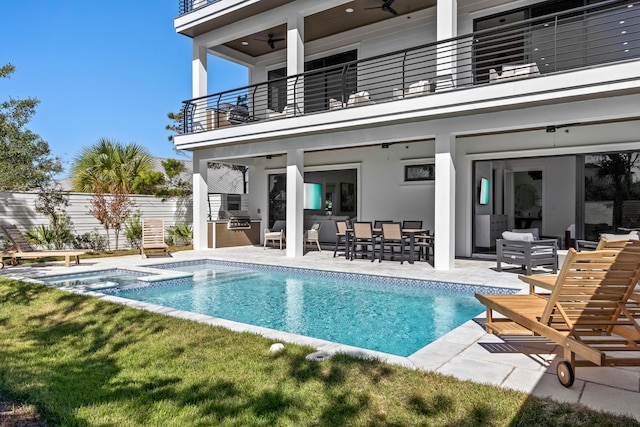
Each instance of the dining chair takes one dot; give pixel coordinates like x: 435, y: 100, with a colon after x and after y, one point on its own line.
x: 362, y: 238
x: 341, y: 236
x: 378, y: 223
x: 392, y: 237
x: 421, y: 241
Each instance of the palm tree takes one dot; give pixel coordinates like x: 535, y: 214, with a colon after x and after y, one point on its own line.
x: 109, y: 165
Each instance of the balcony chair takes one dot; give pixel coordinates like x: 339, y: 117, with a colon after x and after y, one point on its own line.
x: 272, y: 114
x: 275, y: 233
x: 514, y: 71
x: 334, y: 104
x: 359, y: 98
x: 525, y: 250
x: 422, y: 87
x: 311, y: 236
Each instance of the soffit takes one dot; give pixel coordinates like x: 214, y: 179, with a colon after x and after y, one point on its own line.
x: 317, y: 26
x: 237, y: 15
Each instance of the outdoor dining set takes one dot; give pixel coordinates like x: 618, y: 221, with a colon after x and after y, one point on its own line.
x: 382, y: 239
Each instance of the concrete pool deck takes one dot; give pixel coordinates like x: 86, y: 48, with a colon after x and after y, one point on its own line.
x: 526, y: 364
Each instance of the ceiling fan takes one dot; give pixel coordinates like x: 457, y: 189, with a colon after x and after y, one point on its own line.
x: 386, y: 6
x: 271, y: 40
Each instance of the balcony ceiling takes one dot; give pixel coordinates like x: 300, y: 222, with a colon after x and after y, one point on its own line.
x: 322, y: 24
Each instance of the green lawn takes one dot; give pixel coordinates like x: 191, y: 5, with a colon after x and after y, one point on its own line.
x: 82, y: 361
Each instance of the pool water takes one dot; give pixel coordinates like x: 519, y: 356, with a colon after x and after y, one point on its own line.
x: 364, y: 312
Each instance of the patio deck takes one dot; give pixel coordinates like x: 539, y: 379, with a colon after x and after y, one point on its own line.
x: 526, y: 364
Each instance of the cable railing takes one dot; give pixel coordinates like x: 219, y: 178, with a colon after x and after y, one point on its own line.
x: 186, y: 6
x: 584, y: 37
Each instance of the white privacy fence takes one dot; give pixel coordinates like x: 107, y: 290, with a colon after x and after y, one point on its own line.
x: 19, y: 208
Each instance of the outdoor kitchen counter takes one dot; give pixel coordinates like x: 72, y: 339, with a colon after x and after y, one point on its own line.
x: 220, y: 236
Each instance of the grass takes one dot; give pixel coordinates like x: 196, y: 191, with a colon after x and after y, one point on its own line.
x: 81, y: 361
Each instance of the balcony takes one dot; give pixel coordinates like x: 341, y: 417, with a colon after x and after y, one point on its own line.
x: 186, y: 6
x: 578, y: 39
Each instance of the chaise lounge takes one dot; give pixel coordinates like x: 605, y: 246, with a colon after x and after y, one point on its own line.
x: 588, y: 312
x: 24, y: 250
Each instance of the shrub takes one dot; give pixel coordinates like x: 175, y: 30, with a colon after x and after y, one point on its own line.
x: 91, y: 240
x: 133, y: 230
x: 46, y: 237
x: 180, y: 234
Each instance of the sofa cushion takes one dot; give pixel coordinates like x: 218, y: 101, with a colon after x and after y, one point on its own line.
x: 534, y: 231
x: 517, y: 236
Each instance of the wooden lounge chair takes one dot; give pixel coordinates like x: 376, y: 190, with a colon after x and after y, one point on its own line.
x: 153, y: 237
x: 548, y: 282
x: 587, y: 313
x: 24, y: 250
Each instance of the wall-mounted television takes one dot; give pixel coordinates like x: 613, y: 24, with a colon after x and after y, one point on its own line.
x: 312, y: 196
x: 485, y: 188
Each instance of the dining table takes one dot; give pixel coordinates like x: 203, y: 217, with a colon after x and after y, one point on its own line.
x: 409, y: 232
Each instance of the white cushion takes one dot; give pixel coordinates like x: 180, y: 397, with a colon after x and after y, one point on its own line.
x: 519, y: 237
x: 534, y: 231
x: 419, y: 87
x: 630, y: 236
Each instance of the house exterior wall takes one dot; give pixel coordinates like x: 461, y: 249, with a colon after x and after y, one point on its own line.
x: 503, y: 123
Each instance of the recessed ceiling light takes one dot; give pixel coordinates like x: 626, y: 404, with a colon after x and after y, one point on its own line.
x: 245, y: 43
x: 349, y: 10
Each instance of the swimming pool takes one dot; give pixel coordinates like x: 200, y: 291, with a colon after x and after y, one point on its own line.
x: 390, y: 315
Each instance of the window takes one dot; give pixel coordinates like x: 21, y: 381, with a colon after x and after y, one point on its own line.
x: 319, y: 87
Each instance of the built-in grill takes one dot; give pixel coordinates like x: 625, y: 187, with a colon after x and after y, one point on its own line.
x: 236, y: 220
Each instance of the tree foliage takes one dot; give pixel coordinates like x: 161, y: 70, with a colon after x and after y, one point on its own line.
x: 52, y: 202
x: 175, y: 124
x: 174, y: 186
x: 112, y: 211
x: 110, y: 166
x: 25, y: 159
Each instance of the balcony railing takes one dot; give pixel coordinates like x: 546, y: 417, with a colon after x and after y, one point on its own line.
x: 604, y: 33
x: 186, y: 6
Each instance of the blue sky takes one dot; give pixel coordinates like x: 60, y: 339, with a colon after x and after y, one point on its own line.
x: 101, y: 69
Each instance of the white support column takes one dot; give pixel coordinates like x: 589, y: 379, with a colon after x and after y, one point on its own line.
x: 295, y: 207
x: 446, y: 28
x: 200, y: 201
x: 199, y: 83
x: 445, y: 202
x: 295, y: 62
